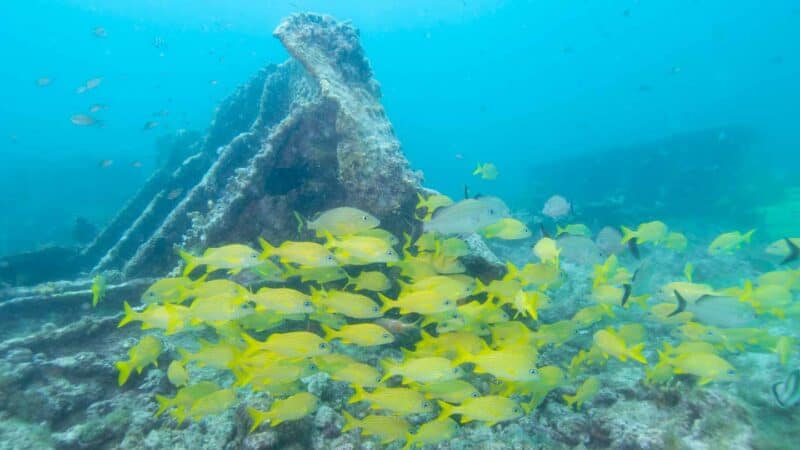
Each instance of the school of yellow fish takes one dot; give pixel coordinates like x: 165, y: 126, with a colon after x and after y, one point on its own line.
x: 353, y: 288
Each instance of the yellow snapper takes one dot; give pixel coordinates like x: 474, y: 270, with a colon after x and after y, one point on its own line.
x: 490, y: 409
x: 421, y: 370
x: 708, y: 366
x: 452, y: 286
x: 546, y: 250
x: 184, y: 399
x: 139, y: 356
x: 654, y: 232
x: 420, y: 302
x: 361, y: 250
x: 401, y: 401
x: 282, y: 300
x: 292, y: 408
x: 611, y: 344
x: 99, y: 288
x: 213, y: 403
x: 352, y: 305
x: 177, y: 374
x: 433, y: 432
x: 555, y: 333
x: 360, y: 334
x: 170, y: 318
x: 451, y: 391
x: 487, y: 171
x: 431, y: 203
x: 503, y: 364
x: 292, y: 343
x: 590, y: 315
x: 168, y: 290
x: 210, y: 309
x: 386, y: 428
x: 577, y: 229
x: 358, y: 374
x: 343, y: 221
x: 727, y: 243
x: 586, y: 391
x: 540, y: 274
x: 786, y: 248
x: 234, y: 258
x: 308, y: 254
x: 676, y: 241
x: 220, y: 355
x: 507, y: 229
x: 370, y: 281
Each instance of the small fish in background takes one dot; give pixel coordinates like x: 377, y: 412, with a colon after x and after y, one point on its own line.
x: 727, y: 243
x: 82, y: 120
x: 97, y: 107
x: 162, y: 113
x: 556, y: 207
x: 89, y: 85
x: 213, y: 82
x: 787, y: 393
x: 136, y: 164
x: 100, y: 32
x: 175, y: 193
x: 459, y: 156
x: 486, y: 171
x: 44, y: 81
x: 787, y: 248
x: 159, y: 42
x: 99, y: 288
x: 149, y: 125
x: 676, y: 241
x: 577, y: 229
x: 105, y: 163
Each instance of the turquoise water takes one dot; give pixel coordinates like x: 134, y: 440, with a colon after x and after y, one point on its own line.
x: 681, y: 112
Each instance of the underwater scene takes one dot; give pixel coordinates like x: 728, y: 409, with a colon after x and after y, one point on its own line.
x: 385, y: 224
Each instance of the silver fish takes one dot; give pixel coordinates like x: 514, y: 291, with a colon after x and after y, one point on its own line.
x: 83, y: 120
x: 467, y: 216
x: 787, y: 393
x: 722, y: 312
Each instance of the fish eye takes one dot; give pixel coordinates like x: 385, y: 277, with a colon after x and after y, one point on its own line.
x: 312, y: 366
x: 426, y: 404
x: 323, y: 345
x: 306, y: 303
x: 475, y: 394
x: 731, y: 372
x: 329, y: 258
x: 376, y: 309
x: 364, y: 218
x: 491, y: 211
x: 390, y: 253
x: 447, y: 302
x: 533, y: 371
x: 515, y: 410
x: 386, y: 335
x: 151, y: 294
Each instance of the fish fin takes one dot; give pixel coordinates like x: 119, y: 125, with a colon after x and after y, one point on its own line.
x: 164, y: 403
x: 570, y: 399
x: 544, y: 232
x: 636, y: 353
x: 681, y: 304
x: 447, y: 410
x: 511, y: 271
x: 627, y: 234
x: 350, y: 422
x: 748, y: 235
x: 191, y: 261
x: 478, y: 170
x: 330, y: 241
x: 358, y: 396
x: 775, y: 394
x: 129, y: 315
x: 258, y: 417
x: 330, y: 333
x: 387, y: 303
x: 124, y: 371
x: 269, y: 250
x: 794, y: 252
x: 626, y: 294
x: 704, y: 380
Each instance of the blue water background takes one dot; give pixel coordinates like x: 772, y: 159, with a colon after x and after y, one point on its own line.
x: 510, y: 82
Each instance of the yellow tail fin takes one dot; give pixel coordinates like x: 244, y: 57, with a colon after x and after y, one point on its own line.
x: 130, y: 315
x: 627, y: 234
x: 191, y: 261
x: 124, y: 371
x: 636, y: 353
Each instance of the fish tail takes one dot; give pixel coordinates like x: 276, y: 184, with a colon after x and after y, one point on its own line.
x: 330, y: 241
x: 559, y: 230
x: 130, y: 315
x: 269, y: 250
x: 387, y: 303
x: 358, y: 396
x: 626, y: 294
x: 350, y: 422
x: 258, y: 417
x: 447, y: 410
x: 409, y: 441
x: 124, y: 371
x: 681, y: 304
x: 794, y: 252
x: 387, y: 366
x: 164, y: 403
x: 627, y: 234
x: 570, y: 399
x: 478, y: 170
x: 636, y: 353
x: 511, y: 271
x: 191, y: 261
x: 330, y: 333
x: 748, y: 235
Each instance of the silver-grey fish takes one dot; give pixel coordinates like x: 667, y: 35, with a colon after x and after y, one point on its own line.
x: 467, y: 216
x: 723, y: 312
x: 83, y: 120
x: 787, y: 393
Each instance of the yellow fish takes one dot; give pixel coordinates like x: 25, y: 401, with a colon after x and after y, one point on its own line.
x: 577, y: 229
x: 168, y: 290
x: 352, y: 305
x: 487, y: 171
x: 507, y: 229
x: 282, y: 300
x: 361, y: 250
x: 655, y: 232
x: 727, y: 243
x: 546, y: 250
x: 430, y: 433
x: 421, y: 370
x: 219, y: 356
x: 308, y: 254
x: 361, y: 334
x: 541, y: 274
x: 213, y: 403
x: 420, y: 302
x: 358, y: 374
x: 586, y: 391
x: 401, y: 401
x: 611, y: 344
x: 503, y: 364
x: 676, y: 241
x: 490, y: 409
x: 451, y: 391
x: 292, y: 343
x: 707, y: 366
x: 184, y: 399
x: 141, y: 355
x: 343, y: 221
x: 99, y: 288
x: 590, y: 315
x: 177, y: 374
x: 292, y: 408
x: 170, y: 318
x: 234, y: 258
x: 370, y: 281
x: 386, y: 428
